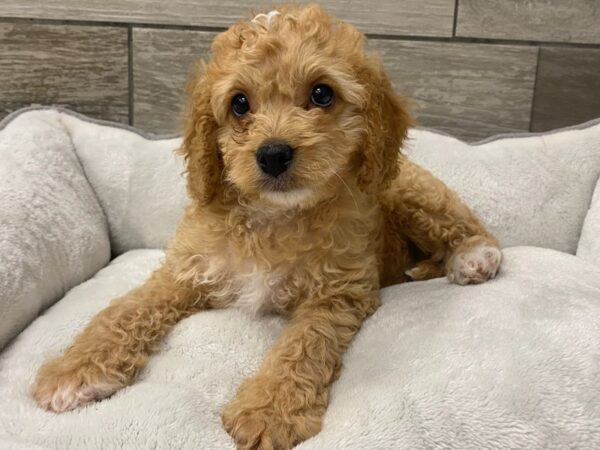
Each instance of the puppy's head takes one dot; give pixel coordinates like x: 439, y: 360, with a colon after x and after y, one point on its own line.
x: 289, y: 107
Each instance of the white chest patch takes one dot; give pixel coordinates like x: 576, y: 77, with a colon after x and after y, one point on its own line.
x: 257, y: 291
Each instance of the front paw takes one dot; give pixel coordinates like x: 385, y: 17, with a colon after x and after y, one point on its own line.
x: 270, y: 414
x: 63, y: 384
x: 474, y: 265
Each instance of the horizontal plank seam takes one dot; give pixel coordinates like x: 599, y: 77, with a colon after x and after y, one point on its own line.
x: 464, y: 40
x: 92, y: 23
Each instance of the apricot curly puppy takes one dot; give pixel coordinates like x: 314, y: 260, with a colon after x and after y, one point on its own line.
x: 301, y: 205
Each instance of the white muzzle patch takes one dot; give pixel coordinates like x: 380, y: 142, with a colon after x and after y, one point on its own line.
x: 288, y: 199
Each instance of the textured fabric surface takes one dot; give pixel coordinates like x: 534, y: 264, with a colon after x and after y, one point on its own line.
x: 139, y: 182
x: 53, y: 233
x: 532, y: 190
x: 589, y: 244
x: 512, y: 363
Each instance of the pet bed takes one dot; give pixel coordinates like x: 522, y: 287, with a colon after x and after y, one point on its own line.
x: 87, y: 206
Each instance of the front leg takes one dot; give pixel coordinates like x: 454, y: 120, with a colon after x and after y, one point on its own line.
x: 283, y: 404
x: 115, y: 345
x: 433, y: 217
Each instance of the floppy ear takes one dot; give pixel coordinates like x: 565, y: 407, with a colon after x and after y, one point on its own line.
x: 387, y: 122
x: 203, y: 164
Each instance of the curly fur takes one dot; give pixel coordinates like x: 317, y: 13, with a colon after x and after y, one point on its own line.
x: 351, y: 215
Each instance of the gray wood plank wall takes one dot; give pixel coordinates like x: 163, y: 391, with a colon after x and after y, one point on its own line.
x: 413, y: 17
x: 163, y: 61
x: 473, y: 67
x: 536, y: 20
x: 80, y: 67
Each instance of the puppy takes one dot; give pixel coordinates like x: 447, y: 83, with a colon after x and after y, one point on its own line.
x: 301, y: 205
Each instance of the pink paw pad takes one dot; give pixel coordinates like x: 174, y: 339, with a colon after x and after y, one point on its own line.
x: 476, y: 265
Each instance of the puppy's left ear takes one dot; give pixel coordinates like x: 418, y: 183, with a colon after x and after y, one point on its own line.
x: 387, y: 123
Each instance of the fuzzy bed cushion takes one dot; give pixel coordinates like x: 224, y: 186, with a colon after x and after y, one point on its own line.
x: 589, y: 243
x: 509, y: 364
x: 53, y: 233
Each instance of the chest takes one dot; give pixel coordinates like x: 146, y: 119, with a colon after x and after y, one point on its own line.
x: 261, y: 291
x: 271, y: 266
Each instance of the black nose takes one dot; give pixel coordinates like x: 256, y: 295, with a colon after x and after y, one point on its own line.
x: 274, y: 158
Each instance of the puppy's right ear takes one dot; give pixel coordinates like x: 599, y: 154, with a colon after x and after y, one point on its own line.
x: 199, y: 148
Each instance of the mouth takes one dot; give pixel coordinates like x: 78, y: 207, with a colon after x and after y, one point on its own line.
x: 281, y: 184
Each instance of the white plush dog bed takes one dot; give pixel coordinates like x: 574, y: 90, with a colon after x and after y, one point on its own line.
x: 513, y: 363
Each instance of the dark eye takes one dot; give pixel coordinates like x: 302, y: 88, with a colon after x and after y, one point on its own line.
x: 322, y: 96
x: 240, y: 105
